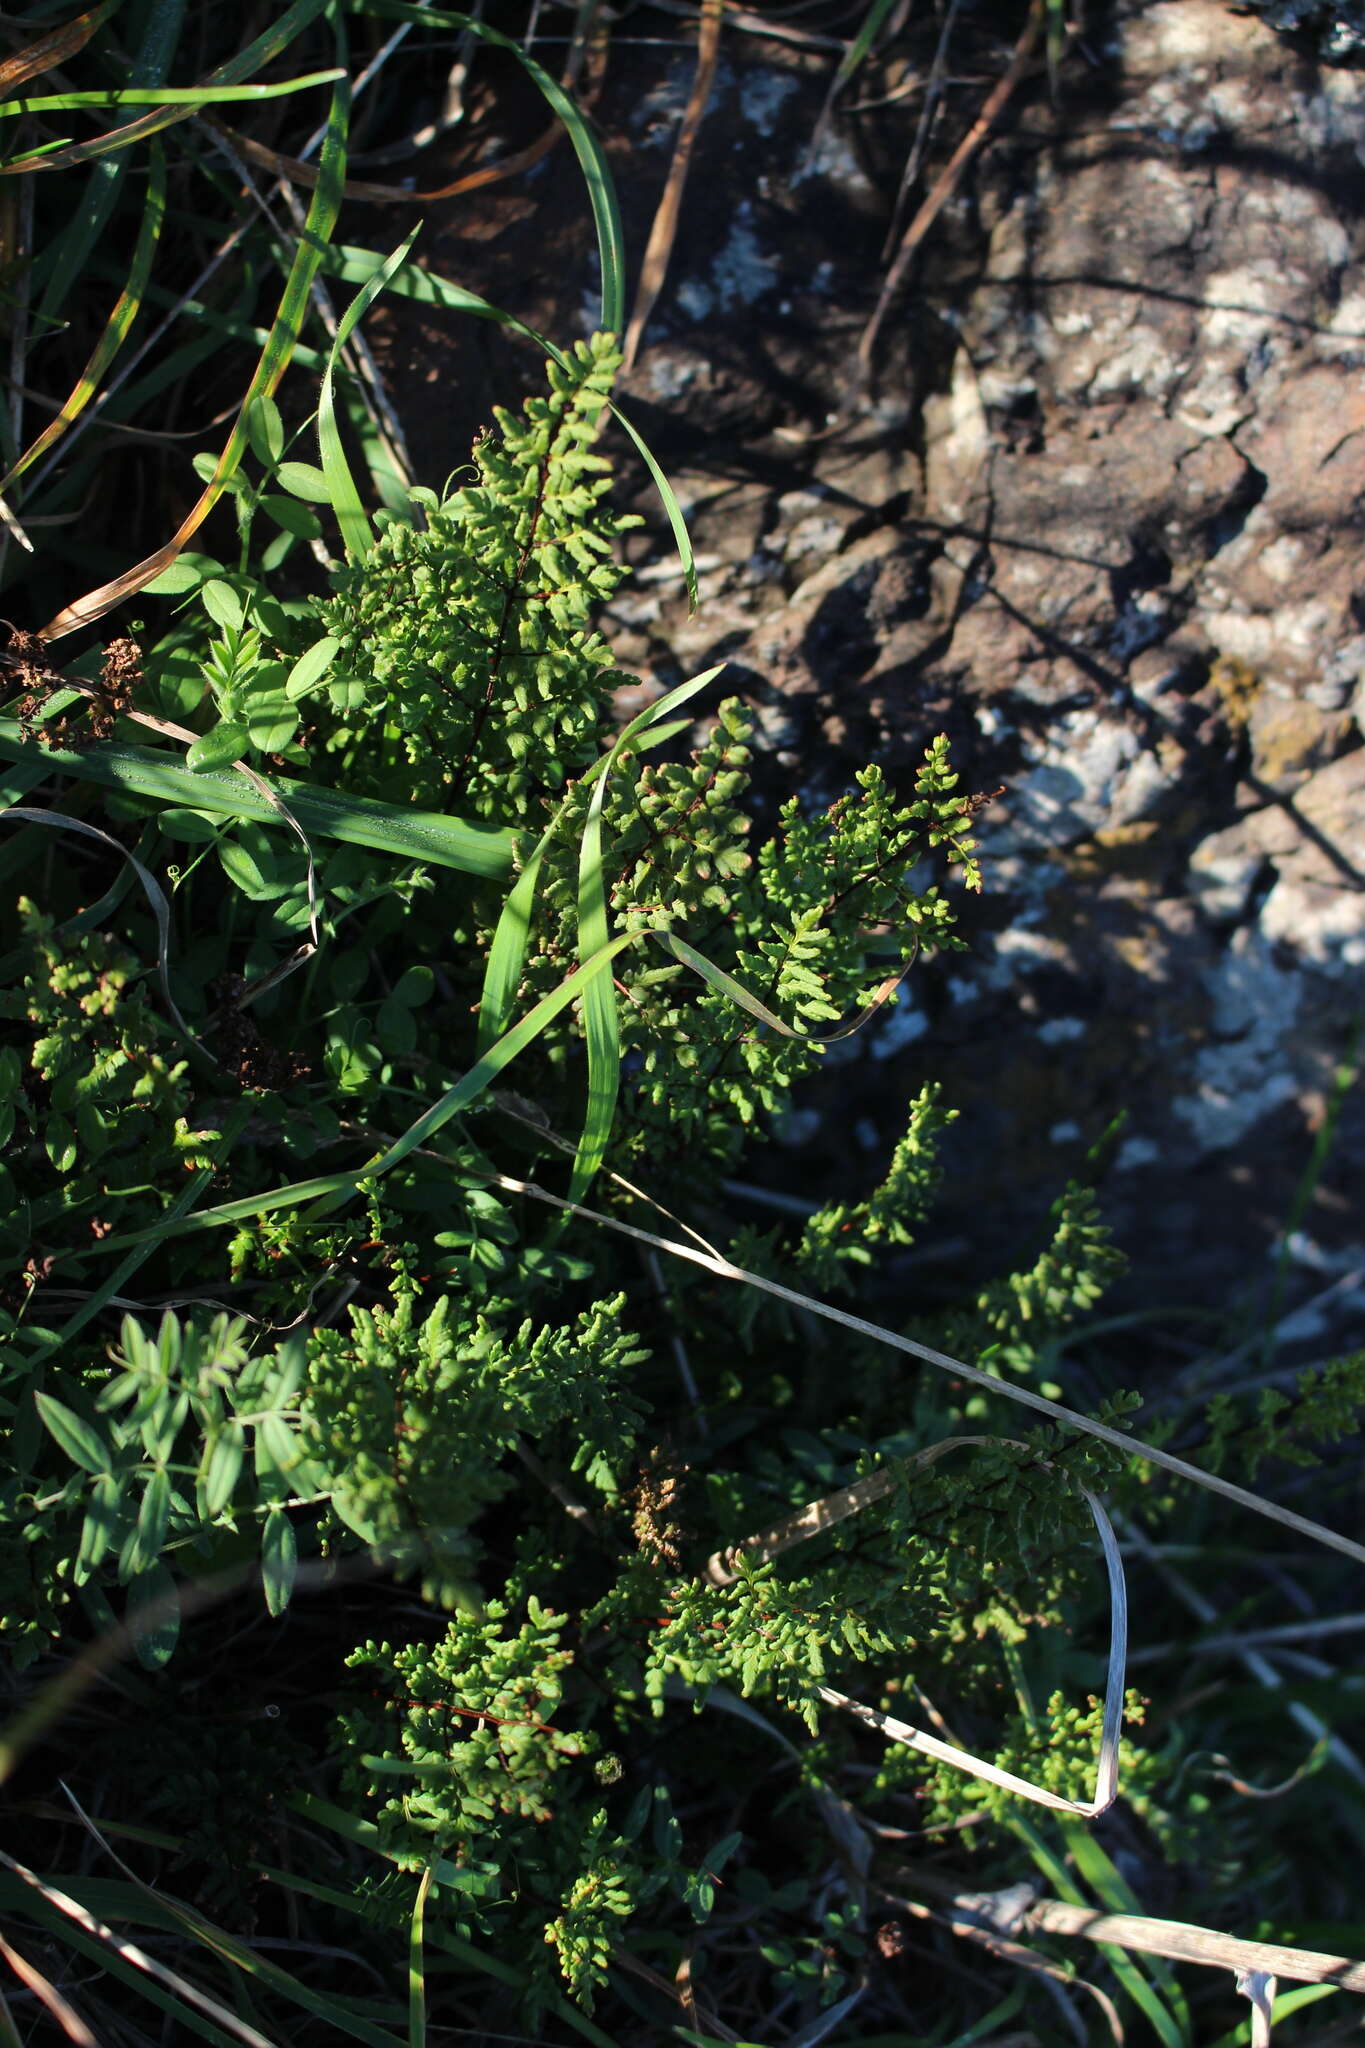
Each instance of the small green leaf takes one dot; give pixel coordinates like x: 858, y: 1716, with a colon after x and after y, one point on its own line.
x: 101, y: 1519
x: 295, y: 518
x: 218, y: 749
x: 222, y: 603
x: 75, y: 1436
x: 250, y: 866
x: 304, y: 480
x: 59, y: 1142
x: 310, y: 668
x: 265, y: 430
x: 395, y: 1027
x: 279, y: 1560
x: 153, y: 1615
x: 196, y: 828
x: 276, y: 1442
x: 272, y: 723
x: 224, y: 1456
x: 142, y: 1552
x: 186, y: 572
x: 413, y: 987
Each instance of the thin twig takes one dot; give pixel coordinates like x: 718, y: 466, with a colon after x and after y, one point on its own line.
x: 1018, y: 1911
x: 664, y: 231
x: 947, y: 184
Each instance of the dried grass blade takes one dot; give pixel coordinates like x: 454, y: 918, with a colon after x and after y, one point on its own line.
x: 55, y: 47
x: 130, y: 1953
x: 947, y: 184
x: 1106, y: 1773
x: 664, y: 231
x: 1066, y: 1418
x: 48, y: 1996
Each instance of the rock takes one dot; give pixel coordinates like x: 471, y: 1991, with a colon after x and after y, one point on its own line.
x: 1313, y: 845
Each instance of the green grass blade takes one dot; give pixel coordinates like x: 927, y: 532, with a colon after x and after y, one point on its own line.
x: 601, y: 1015
x: 512, y: 938
x: 116, y: 327
x: 1167, y: 2027
x: 1109, y: 1885
x: 592, y: 160
x: 364, y: 1835
x: 857, y: 50
x: 417, y: 1976
x: 271, y: 43
x: 356, y: 531
x: 168, y: 95
x: 424, y: 836
x: 682, y: 539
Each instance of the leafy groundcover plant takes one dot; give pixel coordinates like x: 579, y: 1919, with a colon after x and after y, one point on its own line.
x: 366, y: 984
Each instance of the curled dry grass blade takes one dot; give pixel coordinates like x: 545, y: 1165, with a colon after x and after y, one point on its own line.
x: 118, y: 324
x: 275, y: 358
x: 722, y: 1569
x: 266, y: 47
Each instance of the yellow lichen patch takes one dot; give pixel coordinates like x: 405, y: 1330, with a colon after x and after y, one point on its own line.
x: 1238, y: 686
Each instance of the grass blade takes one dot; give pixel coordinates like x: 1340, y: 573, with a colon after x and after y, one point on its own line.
x: 118, y: 324
x: 591, y: 156
x: 328, y: 1190
x: 168, y: 95
x: 130, y: 1953
x: 356, y: 531
x: 512, y: 938
x: 601, y: 1017
x: 266, y: 47
x: 417, y: 1978
x: 425, y: 836
x: 55, y: 46
x: 274, y: 361
x: 48, y: 1996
